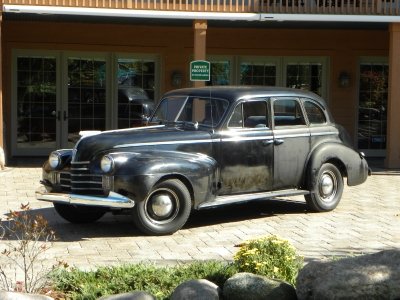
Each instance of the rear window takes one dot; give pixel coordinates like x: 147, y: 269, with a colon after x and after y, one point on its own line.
x: 315, y: 114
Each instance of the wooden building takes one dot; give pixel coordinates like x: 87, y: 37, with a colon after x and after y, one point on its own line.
x: 67, y: 65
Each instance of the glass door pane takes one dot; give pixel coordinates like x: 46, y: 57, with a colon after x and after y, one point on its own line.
x: 306, y: 76
x: 36, y: 103
x: 372, y: 107
x: 136, y: 87
x: 220, y: 73
x: 86, y: 96
x: 258, y: 73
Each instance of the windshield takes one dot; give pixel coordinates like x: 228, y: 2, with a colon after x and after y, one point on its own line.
x: 196, y: 110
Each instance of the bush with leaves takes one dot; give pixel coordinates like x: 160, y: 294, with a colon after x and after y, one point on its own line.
x: 159, y: 281
x: 269, y: 256
x: 27, y: 237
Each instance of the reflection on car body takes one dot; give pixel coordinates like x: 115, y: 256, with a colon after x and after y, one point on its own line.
x: 206, y: 147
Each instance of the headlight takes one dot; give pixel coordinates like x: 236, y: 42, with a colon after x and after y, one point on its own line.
x: 54, y: 160
x: 107, y: 164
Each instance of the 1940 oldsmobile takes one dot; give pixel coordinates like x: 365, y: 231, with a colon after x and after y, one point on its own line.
x: 206, y: 147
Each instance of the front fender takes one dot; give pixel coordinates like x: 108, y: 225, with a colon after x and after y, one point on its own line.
x: 138, y: 172
x: 354, y: 164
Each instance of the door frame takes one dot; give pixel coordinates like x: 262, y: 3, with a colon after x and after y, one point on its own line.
x: 323, y: 60
x: 371, y: 60
x: 40, y: 151
x: 113, y: 106
x: 61, y: 56
x: 64, y: 89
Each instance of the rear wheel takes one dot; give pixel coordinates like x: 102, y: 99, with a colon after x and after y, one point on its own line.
x: 79, y: 214
x: 165, y: 210
x: 326, y: 189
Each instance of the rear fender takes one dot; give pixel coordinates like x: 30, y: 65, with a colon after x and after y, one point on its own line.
x: 351, y: 163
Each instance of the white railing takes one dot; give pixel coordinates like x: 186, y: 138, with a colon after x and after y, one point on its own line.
x: 341, y: 7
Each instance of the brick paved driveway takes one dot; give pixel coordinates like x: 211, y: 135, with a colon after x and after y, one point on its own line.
x: 366, y: 220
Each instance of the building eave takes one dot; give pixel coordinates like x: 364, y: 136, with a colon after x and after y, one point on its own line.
x: 188, y: 15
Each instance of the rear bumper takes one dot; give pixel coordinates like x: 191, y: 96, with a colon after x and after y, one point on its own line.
x: 114, y: 200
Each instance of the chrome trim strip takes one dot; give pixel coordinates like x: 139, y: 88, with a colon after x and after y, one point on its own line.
x: 86, y: 175
x: 254, y: 138
x: 114, y: 200
x: 208, y: 141
x: 87, y: 188
x: 80, y: 162
x: 80, y: 182
x: 278, y: 136
x: 134, y: 129
x: 223, y: 200
x: 163, y: 143
x: 323, y: 133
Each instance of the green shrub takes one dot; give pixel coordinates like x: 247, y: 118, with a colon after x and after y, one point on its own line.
x: 159, y: 281
x: 269, y: 256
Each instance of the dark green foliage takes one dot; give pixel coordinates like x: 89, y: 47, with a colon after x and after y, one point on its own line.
x: 159, y: 281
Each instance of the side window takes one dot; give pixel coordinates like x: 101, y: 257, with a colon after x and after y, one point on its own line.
x: 314, y: 113
x: 287, y: 112
x: 251, y: 114
x: 236, y: 118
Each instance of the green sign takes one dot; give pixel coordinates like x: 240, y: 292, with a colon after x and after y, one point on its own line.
x: 199, y: 70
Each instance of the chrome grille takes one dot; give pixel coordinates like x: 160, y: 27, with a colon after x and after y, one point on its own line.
x: 65, y: 181
x: 82, y: 182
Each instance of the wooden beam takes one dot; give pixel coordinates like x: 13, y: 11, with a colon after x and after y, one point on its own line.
x: 200, y: 34
x: 393, y: 111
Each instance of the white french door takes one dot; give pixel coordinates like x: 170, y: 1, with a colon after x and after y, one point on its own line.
x: 86, y: 91
x: 57, y: 94
x: 372, y: 106
x: 35, y: 102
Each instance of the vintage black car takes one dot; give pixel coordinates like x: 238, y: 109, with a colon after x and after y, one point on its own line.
x: 206, y: 147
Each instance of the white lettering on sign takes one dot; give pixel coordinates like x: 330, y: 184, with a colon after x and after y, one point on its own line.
x: 200, y: 69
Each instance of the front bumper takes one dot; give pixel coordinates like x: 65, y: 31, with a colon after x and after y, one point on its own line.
x: 114, y: 200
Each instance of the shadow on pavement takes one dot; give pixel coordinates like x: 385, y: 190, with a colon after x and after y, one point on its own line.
x: 123, y: 226
x: 245, y: 211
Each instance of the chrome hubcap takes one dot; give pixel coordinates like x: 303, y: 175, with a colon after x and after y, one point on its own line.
x: 161, y: 205
x: 328, y: 186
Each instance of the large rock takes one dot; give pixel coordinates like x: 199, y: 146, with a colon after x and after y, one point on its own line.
x: 373, y: 276
x: 250, y: 286
x: 200, y: 289
x: 22, y: 296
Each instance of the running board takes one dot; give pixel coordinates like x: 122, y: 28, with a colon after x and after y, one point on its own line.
x: 223, y: 200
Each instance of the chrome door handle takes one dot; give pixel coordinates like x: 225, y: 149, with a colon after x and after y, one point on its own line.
x: 278, y: 141
x: 267, y: 142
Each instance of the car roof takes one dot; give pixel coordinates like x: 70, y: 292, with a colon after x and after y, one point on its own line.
x: 234, y: 93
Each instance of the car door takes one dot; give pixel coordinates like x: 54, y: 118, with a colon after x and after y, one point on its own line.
x: 291, y: 142
x: 246, y: 150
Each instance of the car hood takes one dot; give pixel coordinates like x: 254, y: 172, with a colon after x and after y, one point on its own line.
x: 137, y: 139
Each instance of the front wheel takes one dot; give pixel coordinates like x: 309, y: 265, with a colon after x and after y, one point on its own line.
x: 79, y: 214
x: 326, y: 189
x: 165, y: 210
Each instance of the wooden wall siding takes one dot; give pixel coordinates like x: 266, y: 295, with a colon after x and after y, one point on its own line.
x: 342, y: 7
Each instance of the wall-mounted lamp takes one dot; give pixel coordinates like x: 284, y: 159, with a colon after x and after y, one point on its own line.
x: 176, y: 79
x: 344, y: 79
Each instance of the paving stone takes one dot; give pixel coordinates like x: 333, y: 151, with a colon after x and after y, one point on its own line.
x: 367, y: 220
